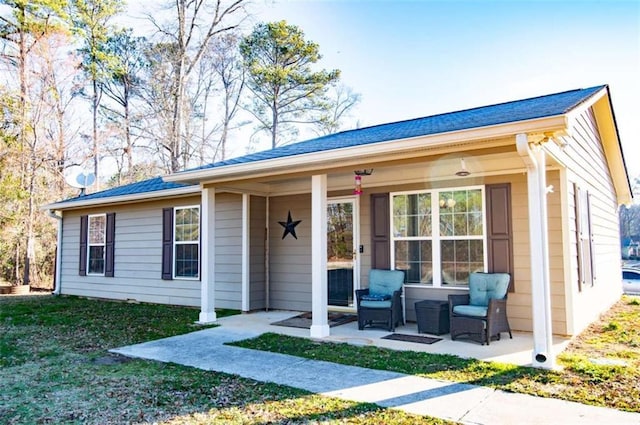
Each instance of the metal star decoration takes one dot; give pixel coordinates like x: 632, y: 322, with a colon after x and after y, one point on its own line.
x: 289, y: 226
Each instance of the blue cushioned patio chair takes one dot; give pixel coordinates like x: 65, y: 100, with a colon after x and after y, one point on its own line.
x: 381, y: 303
x: 482, y: 313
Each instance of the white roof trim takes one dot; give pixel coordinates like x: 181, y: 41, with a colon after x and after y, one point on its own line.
x: 293, y: 163
x: 80, y: 203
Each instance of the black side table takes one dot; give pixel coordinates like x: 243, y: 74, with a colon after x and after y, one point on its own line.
x: 432, y: 316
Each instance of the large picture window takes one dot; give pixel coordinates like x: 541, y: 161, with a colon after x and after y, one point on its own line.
x: 96, y: 244
x: 187, y: 242
x: 438, y: 236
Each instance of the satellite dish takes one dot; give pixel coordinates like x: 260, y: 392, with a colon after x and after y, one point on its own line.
x: 85, y: 179
x: 79, y: 178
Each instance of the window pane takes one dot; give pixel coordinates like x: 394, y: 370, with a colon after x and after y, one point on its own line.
x: 97, y: 227
x: 461, y: 213
x: 475, y: 201
x: 424, y: 204
x: 446, y: 224
x: 460, y: 224
x: 187, y: 226
x: 447, y: 249
x: 414, y: 258
x: 475, y: 224
x: 412, y: 215
x: 460, y: 198
x: 400, y: 227
x: 96, y: 260
x: 187, y: 260
x: 399, y: 205
x: 425, y: 226
x: 459, y: 258
x: 476, y: 251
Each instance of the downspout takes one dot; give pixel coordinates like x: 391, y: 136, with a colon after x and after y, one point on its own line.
x: 535, y: 161
x: 56, y: 280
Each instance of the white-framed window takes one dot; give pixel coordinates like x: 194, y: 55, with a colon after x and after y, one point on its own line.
x: 96, y: 240
x: 186, y: 242
x: 438, y: 236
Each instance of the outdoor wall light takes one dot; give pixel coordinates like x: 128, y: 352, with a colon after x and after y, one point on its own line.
x: 463, y: 172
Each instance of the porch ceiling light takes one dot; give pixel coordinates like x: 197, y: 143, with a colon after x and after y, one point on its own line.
x: 463, y: 172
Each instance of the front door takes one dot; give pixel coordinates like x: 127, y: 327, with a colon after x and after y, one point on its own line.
x: 342, y: 251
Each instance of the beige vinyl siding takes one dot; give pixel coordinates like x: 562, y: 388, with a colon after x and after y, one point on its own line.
x: 228, y: 236
x: 138, y: 256
x: 137, y: 261
x: 257, y: 295
x: 290, y: 259
x: 587, y: 167
x: 519, y: 304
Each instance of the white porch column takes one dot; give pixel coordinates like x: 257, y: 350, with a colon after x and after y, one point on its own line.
x: 208, y: 256
x: 319, y: 298
x: 246, y: 217
x: 535, y: 160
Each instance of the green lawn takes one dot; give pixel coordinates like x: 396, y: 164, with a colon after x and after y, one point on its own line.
x: 601, y: 367
x: 55, y: 368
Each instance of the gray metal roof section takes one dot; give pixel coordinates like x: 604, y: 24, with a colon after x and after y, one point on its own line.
x: 520, y: 110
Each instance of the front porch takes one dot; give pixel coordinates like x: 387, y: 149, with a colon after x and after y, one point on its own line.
x: 273, y: 241
x: 513, y: 351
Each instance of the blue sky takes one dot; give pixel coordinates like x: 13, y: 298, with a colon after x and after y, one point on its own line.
x: 416, y: 58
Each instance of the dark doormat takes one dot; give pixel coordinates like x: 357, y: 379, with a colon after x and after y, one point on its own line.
x: 304, y: 320
x: 412, y: 338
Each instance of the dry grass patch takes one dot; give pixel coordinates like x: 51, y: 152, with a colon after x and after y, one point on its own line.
x: 55, y: 368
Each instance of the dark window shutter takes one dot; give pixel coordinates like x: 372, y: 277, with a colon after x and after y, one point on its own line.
x: 499, y: 230
x: 167, y: 243
x: 109, y: 249
x: 84, y: 225
x: 380, y: 240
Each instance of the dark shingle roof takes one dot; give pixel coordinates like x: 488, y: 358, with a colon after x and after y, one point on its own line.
x: 144, y: 186
x: 519, y: 110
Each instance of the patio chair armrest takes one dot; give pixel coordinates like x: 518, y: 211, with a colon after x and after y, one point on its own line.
x: 397, y: 295
x: 360, y: 293
x: 496, y: 308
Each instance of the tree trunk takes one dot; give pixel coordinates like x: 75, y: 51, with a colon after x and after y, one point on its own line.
x: 127, y: 129
x: 96, y: 149
x: 274, y: 125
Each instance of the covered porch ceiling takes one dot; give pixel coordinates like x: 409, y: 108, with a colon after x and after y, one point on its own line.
x: 418, y: 169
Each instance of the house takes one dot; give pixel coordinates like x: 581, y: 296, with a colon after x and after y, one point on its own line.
x: 529, y: 187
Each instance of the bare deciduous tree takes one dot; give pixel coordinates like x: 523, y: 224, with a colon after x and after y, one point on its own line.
x: 198, y: 21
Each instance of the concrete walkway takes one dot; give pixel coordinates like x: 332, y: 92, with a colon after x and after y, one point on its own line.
x: 467, y: 404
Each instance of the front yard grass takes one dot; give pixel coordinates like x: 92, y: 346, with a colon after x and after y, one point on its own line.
x: 600, y: 367
x: 55, y: 369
